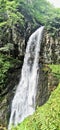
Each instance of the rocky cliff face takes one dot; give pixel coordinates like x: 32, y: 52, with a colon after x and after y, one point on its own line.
x: 13, y: 39
x: 50, y: 53
x: 16, y: 41
x: 7, y: 95
x: 51, y: 48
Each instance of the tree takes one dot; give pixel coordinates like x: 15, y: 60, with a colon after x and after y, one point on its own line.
x: 3, y: 12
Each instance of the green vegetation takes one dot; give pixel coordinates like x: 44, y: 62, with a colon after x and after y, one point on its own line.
x: 55, y: 70
x: 19, y: 12
x: 46, y: 117
x: 16, y: 11
x: 6, y: 63
x: 9, y: 14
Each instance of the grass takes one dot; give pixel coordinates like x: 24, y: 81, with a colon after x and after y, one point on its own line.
x: 55, y: 69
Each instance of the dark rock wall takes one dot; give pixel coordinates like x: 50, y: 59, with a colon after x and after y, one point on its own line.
x: 42, y: 87
x: 8, y: 94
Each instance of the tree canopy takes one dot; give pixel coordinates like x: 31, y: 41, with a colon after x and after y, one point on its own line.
x: 13, y: 11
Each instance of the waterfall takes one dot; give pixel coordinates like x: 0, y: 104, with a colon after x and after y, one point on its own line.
x: 24, y: 101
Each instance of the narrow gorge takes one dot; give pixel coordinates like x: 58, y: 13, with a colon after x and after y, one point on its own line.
x: 29, y: 65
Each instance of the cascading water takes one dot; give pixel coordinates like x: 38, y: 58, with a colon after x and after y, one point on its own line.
x: 24, y: 101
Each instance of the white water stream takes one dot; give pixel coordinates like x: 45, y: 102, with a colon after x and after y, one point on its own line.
x: 24, y: 101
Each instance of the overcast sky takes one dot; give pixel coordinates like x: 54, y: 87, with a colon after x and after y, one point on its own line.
x: 56, y: 3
